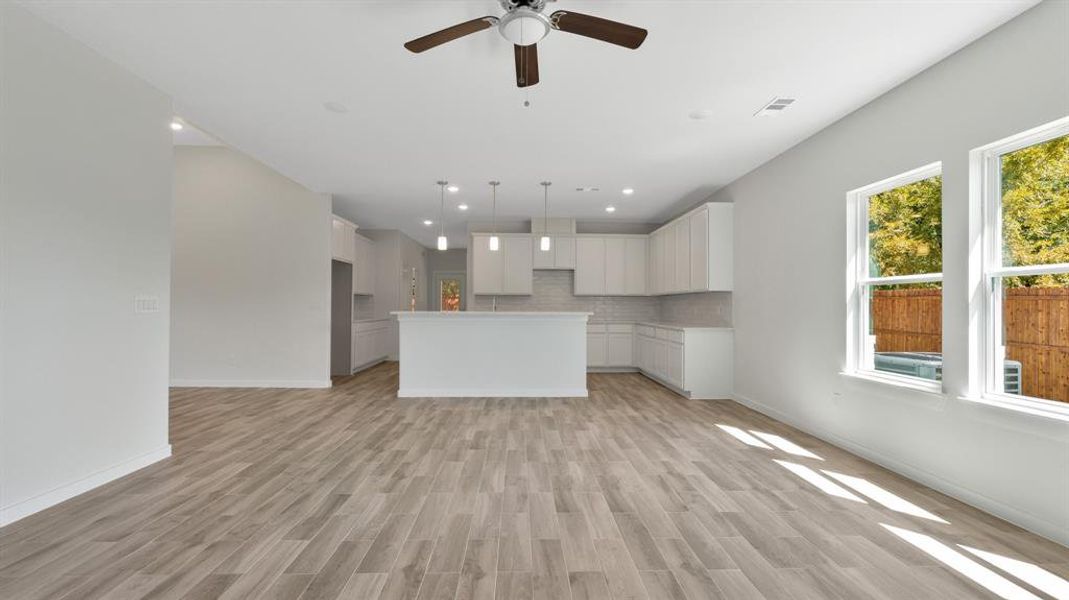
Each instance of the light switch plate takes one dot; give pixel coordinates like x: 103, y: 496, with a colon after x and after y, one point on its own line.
x: 146, y: 304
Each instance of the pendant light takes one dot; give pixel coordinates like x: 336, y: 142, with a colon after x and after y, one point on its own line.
x: 495, y: 243
x: 443, y: 243
x: 544, y: 244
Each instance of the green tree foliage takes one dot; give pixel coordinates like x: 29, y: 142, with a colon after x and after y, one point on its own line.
x: 1035, y: 210
x: 905, y: 223
x: 906, y: 229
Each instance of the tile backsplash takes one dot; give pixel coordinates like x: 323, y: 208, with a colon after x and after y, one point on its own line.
x: 552, y: 291
x: 707, y: 308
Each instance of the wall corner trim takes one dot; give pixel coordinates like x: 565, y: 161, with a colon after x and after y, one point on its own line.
x: 19, y: 510
x: 1052, y: 531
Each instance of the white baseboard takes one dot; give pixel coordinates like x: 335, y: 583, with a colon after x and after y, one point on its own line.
x: 485, y: 393
x: 1053, y: 531
x: 14, y: 512
x: 252, y: 383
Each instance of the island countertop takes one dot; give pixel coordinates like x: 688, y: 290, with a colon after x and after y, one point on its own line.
x: 477, y: 314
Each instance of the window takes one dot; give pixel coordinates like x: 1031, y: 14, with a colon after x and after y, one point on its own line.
x: 1024, y: 196
x: 449, y: 295
x: 896, y: 280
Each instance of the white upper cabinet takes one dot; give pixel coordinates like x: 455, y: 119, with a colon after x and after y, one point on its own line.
x: 635, y: 261
x: 363, y: 266
x: 682, y: 261
x: 504, y: 272
x: 668, y: 260
x: 610, y: 265
x: 693, y: 253
x: 699, y: 249
x: 589, y: 266
x: 615, y: 266
x: 561, y: 253
x: 517, y: 264
x: 342, y: 240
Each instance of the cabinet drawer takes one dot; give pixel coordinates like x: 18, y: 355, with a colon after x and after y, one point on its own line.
x: 619, y: 328
x: 596, y: 328
x: 646, y: 330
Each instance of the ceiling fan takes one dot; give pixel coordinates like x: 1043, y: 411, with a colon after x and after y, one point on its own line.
x: 524, y: 25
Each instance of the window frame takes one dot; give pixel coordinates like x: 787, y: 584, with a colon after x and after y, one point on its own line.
x: 987, y: 355
x: 859, y: 354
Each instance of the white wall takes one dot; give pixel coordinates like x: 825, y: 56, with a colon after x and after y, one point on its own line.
x: 251, y: 285
x: 789, y: 305
x: 85, y: 226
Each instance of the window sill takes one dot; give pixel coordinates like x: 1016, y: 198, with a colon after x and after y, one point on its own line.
x: 922, y: 386
x: 1047, y: 409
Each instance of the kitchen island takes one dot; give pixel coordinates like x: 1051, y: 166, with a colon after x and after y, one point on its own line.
x: 492, y: 354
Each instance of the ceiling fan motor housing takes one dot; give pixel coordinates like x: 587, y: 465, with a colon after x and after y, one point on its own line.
x: 524, y: 26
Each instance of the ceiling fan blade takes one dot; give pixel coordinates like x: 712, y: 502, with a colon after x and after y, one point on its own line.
x: 449, y: 34
x: 600, y: 29
x: 526, y: 65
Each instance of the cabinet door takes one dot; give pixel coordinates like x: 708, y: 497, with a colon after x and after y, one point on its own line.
x: 660, y: 358
x: 615, y: 266
x: 668, y: 260
x: 635, y: 264
x: 620, y: 350
x: 699, y: 250
x: 674, y: 364
x: 655, y: 265
x: 342, y: 238
x: 486, y: 266
x: 596, y: 350
x: 682, y: 229
x: 564, y: 255
x: 589, y: 266
x: 517, y: 266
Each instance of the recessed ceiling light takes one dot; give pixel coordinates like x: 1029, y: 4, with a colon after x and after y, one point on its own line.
x: 428, y: 222
x: 462, y: 207
x: 628, y: 191
x: 336, y: 107
x: 176, y: 126
x: 588, y: 189
x: 700, y: 115
x: 610, y: 209
x: 453, y: 189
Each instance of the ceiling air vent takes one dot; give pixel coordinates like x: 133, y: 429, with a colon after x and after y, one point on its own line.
x: 775, y: 107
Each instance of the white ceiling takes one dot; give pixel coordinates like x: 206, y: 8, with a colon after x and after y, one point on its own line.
x: 257, y: 74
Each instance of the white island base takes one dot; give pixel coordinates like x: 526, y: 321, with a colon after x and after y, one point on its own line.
x: 492, y: 354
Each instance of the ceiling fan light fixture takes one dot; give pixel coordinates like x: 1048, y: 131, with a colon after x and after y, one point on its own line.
x: 524, y: 27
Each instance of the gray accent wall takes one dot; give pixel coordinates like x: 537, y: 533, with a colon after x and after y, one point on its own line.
x: 85, y: 227
x: 252, y: 275
x: 790, y: 265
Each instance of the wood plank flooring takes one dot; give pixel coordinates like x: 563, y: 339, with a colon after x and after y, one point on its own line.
x: 632, y: 493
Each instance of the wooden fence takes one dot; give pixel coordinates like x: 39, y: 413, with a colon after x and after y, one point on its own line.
x: 1036, y: 323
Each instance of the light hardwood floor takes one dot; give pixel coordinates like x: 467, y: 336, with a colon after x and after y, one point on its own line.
x: 632, y: 493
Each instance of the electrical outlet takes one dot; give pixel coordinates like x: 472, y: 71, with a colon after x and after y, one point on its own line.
x: 146, y: 304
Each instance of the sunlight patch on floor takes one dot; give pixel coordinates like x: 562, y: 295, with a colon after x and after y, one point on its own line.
x: 1039, y: 578
x: 744, y: 437
x: 784, y: 444
x: 819, y: 481
x: 980, y: 574
x: 882, y: 496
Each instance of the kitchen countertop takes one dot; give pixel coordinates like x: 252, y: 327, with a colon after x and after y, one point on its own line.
x: 679, y: 326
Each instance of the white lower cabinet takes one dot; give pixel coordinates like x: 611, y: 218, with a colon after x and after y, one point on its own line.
x: 696, y: 361
x: 371, y: 343
x: 610, y: 345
